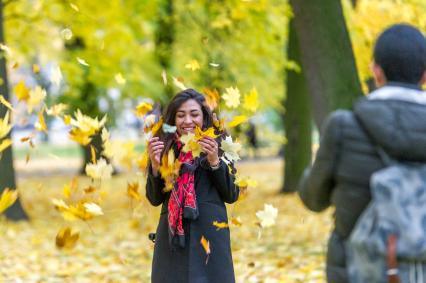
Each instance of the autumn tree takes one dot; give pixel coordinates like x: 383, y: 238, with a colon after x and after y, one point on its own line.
x: 297, y: 118
x: 326, y: 55
x: 7, y: 177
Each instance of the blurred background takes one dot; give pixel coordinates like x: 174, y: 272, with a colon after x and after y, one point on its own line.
x: 303, y: 59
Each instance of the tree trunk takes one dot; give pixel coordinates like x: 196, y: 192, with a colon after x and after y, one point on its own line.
x: 297, y: 120
x: 164, y: 39
x: 326, y: 55
x: 7, y: 176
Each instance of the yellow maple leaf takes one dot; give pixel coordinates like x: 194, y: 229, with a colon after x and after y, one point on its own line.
x: 251, y: 102
x: 206, y: 246
x: 143, y: 108
x: 143, y: 161
x: 157, y: 126
x: 57, y: 109
x: 237, y: 121
x: 6, y: 103
x: 199, y: 134
x: 67, y: 119
x: 133, y: 191
x: 36, y: 68
x: 8, y: 197
x: 232, y: 97
x: 190, y: 144
x: 212, y: 97
x: 66, y: 238
x: 21, y: 91
x: 236, y: 221
x: 100, y: 170
x: 5, y: 144
x: 169, y: 169
x: 41, y: 123
x: 193, y: 65
x: 230, y: 148
x: 87, y: 124
x: 79, y: 136
x: 267, y: 216
x: 5, y: 127
x: 220, y: 225
x: 37, y: 95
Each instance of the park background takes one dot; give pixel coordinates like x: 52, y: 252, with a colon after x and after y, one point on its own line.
x: 300, y: 59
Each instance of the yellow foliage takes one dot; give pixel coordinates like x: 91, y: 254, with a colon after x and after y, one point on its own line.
x: 143, y: 108
x: 169, y: 169
x: 232, y: 97
x: 5, y: 127
x: 21, y: 91
x: 237, y: 120
x: 8, y: 197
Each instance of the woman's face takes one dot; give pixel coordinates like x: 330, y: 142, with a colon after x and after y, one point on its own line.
x: 188, y: 115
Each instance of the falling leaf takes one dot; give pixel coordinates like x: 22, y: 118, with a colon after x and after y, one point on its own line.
x: 57, y: 109
x: 164, y: 76
x: 220, y: 225
x: 230, y: 149
x: 40, y: 125
x: 133, y: 191
x: 6, y: 49
x: 6, y: 103
x: 15, y: 65
x: 79, y: 136
x: 179, y: 84
x: 5, y: 144
x: 169, y: 169
x: 5, y: 127
x: 37, y: 95
x: 292, y: 66
x: 199, y: 134
x: 67, y: 119
x: 100, y: 170
x: 36, y: 69
x: 143, y: 108
x: 143, y: 161
x: 56, y: 76
x: 74, y: 7
x: 169, y: 129
x: 93, y: 154
x: 156, y: 126
x: 212, y: 97
x: 66, y: 238
x: 206, y: 246
x: 244, y: 182
x: 237, y: 121
x: 66, y: 34
x: 191, y: 144
x: 236, y: 221
x: 214, y: 64
x: 21, y: 91
x: 120, y: 79
x: 93, y: 209
x: 251, y: 102
x: 267, y: 216
x: 193, y: 65
x: 82, y: 62
x: 8, y: 197
x: 85, y: 127
x: 232, y: 97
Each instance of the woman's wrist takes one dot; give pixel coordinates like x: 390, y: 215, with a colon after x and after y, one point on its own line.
x: 214, y: 164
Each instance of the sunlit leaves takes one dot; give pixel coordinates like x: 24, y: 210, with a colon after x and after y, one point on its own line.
x: 84, y: 127
x: 232, y: 97
x: 169, y: 169
x: 5, y: 126
x: 237, y: 121
x: 100, y: 170
x: 251, y: 102
x: 5, y: 103
x: 267, y: 216
x: 179, y: 84
x: 41, y: 123
x: 66, y: 238
x: 193, y: 65
x: 212, y: 97
x: 133, y: 191
x: 199, y: 134
x: 82, y: 62
x: 37, y: 95
x: 190, y: 144
x: 143, y: 108
x: 230, y: 149
x: 8, y: 197
x: 21, y: 91
x: 206, y: 246
x: 5, y: 144
x: 57, y: 109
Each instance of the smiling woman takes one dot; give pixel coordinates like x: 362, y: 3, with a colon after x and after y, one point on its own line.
x: 188, y: 247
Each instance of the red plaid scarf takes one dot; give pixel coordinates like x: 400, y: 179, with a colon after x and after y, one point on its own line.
x: 182, y: 202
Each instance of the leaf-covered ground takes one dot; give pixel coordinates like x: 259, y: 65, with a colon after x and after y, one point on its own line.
x: 115, y: 247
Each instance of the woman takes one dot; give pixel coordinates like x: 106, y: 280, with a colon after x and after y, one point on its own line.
x: 198, y: 197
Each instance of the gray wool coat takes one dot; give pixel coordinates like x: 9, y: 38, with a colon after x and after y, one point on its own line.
x: 395, y: 118
x: 189, y: 264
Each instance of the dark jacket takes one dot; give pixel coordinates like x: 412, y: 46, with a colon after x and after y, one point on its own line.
x: 395, y: 119
x: 189, y: 264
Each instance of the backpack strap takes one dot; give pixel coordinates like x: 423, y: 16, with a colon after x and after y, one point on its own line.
x: 392, y: 271
x: 384, y: 157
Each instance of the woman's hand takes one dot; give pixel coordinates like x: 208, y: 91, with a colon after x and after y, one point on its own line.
x: 211, y: 148
x: 155, y: 147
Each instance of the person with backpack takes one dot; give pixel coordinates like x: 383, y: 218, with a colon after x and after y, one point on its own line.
x: 383, y: 140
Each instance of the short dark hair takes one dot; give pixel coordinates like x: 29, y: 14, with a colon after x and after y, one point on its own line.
x: 401, y: 52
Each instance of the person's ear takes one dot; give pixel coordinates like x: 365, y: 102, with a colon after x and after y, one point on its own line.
x: 378, y: 74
